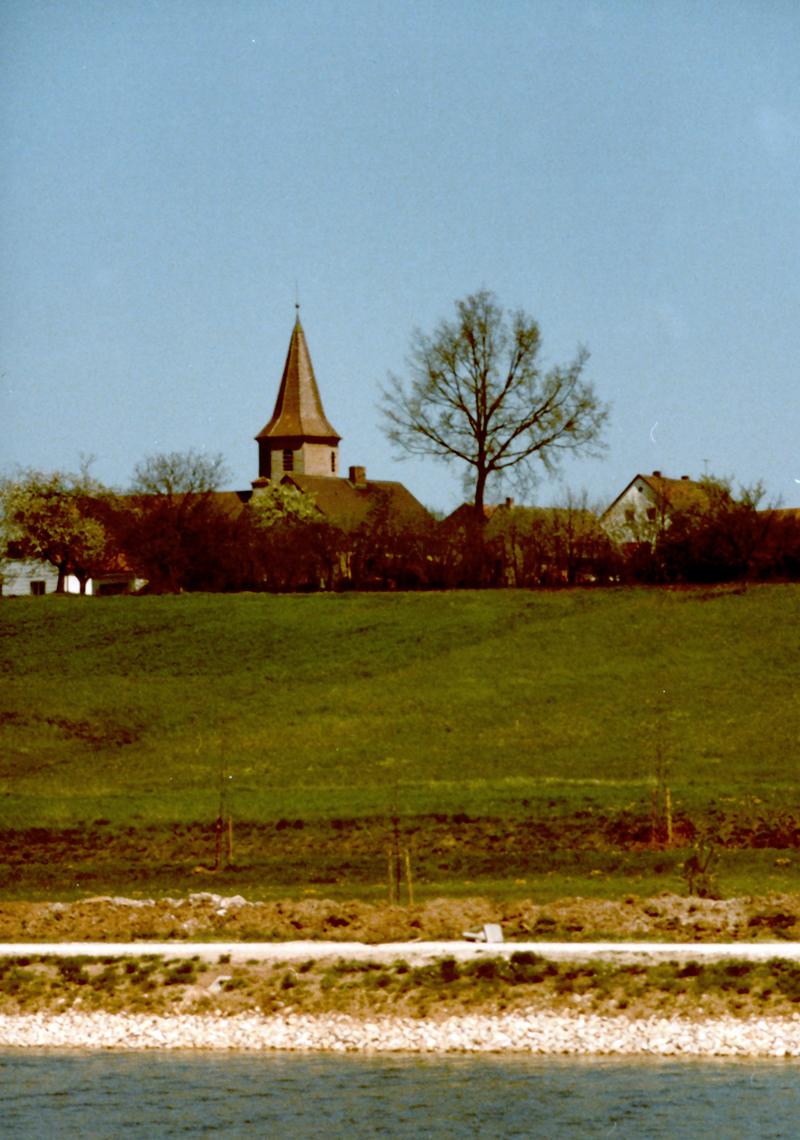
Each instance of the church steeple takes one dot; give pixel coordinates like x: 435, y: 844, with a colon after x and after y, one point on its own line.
x: 299, y: 437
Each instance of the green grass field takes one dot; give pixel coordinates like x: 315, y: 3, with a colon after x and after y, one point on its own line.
x: 516, y: 737
x: 331, y: 705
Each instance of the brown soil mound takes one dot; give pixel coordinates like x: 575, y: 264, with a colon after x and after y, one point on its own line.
x: 667, y: 917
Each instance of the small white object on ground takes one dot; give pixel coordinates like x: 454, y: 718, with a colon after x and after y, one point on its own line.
x: 492, y: 932
x: 218, y: 983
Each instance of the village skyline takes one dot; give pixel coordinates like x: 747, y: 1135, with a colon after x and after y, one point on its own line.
x: 177, y: 179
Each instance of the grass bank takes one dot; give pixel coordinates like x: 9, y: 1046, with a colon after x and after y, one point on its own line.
x: 527, y: 982
x: 471, y: 702
x: 551, y: 716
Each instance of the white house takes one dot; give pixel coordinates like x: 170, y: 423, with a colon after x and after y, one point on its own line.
x: 29, y: 577
x: 645, y: 507
x: 25, y: 578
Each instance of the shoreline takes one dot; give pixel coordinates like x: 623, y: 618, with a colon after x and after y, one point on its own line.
x: 536, y: 1033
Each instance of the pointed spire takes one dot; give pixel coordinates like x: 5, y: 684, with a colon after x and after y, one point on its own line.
x: 298, y: 409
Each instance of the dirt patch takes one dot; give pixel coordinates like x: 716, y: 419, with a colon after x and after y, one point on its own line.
x: 206, y: 915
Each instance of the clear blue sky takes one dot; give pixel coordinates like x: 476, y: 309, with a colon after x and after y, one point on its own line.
x: 627, y: 172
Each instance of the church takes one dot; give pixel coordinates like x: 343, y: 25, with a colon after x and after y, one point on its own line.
x: 299, y: 445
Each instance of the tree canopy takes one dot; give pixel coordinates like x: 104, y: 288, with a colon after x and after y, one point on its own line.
x: 475, y: 393
x: 56, y: 518
x: 281, y: 503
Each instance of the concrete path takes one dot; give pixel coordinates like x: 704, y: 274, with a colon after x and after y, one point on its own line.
x: 417, y: 953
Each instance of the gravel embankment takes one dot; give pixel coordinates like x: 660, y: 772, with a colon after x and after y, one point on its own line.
x: 539, y: 1033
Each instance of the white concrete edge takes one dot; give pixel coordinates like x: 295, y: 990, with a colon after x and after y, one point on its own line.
x: 415, y: 953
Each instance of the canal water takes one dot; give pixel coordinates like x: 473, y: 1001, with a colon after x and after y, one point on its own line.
x: 148, y: 1096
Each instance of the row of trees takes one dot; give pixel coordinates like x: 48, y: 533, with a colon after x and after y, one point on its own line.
x: 173, y: 531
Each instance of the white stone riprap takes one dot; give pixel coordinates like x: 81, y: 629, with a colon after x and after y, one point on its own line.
x: 540, y: 1033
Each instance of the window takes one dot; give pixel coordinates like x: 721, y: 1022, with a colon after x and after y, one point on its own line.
x: 37, y: 589
x: 651, y: 514
x: 630, y: 515
x: 288, y: 460
x: 333, y: 462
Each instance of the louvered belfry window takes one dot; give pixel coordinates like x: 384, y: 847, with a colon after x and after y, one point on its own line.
x: 288, y: 460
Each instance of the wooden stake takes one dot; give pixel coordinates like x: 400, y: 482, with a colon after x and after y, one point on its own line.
x: 218, y: 830
x: 668, y: 801
x: 391, y: 877
x: 408, y: 879
x: 230, y: 838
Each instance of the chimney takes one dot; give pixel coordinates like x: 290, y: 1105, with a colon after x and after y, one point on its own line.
x: 509, y: 503
x: 656, y: 474
x: 358, y: 476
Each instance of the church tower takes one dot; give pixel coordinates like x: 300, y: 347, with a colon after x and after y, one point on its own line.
x: 298, y: 439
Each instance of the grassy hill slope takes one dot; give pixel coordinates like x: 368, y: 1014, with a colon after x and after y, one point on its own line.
x: 340, y: 704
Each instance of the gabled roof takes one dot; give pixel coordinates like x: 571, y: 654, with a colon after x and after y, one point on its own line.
x: 348, y: 504
x: 298, y: 409
x: 676, y: 494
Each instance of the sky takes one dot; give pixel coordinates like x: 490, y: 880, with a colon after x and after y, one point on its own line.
x: 175, y: 174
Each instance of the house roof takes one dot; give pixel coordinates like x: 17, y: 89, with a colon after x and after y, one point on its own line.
x: 347, y: 504
x: 464, y: 516
x: 339, y: 500
x: 680, y: 494
x: 677, y: 494
x: 298, y: 408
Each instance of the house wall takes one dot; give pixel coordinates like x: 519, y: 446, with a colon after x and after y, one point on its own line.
x: 19, y: 579
x: 635, y: 517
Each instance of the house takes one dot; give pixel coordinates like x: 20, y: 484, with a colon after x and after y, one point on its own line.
x: 646, y: 506
x: 28, y: 577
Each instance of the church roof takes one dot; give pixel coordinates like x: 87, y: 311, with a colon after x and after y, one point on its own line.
x: 298, y: 409
x: 347, y: 504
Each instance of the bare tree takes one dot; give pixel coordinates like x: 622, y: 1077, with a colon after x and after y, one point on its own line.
x: 174, y: 531
x: 476, y: 394
x: 179, y: 473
